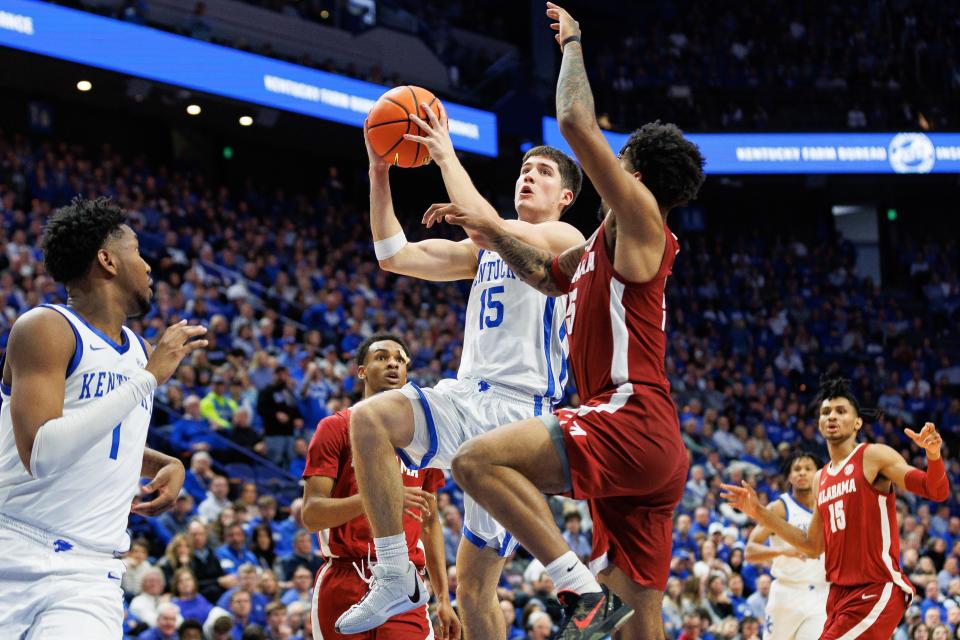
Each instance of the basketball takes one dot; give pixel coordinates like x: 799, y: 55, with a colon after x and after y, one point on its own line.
x: 389, y: 120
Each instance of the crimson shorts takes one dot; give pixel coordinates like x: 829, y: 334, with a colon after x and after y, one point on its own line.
x: 338, y: 587
x: 865, y: 612
x: 625, y: 456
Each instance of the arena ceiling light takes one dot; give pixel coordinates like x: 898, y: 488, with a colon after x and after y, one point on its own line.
x: 246, y: 121
x: 84, y: 85
x: 194, y: 109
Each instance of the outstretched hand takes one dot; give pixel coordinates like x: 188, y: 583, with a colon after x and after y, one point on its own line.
x: 742, y: 498
x: 565, y: 25
x: 927, y: 439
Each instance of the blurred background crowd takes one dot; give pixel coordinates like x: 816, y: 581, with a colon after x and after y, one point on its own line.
x: 766, y: 295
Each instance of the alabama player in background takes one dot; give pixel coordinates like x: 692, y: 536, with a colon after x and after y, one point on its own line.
x: 797, y: 606
x: 855, y: 522
x: 622, y: 448
x: 77, y: 392
x: 331, y: 501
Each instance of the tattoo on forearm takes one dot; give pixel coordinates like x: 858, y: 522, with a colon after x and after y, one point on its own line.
x: 573, y: 88
x: 532, y: 265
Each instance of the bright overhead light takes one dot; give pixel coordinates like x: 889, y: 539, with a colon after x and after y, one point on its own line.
x: 193, y: 109
x: 84, y: 85
x: 246, y: 121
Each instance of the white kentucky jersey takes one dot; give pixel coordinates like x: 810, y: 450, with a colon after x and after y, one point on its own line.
x: 800, y: 570
x: 87, y: 503
x: 514, y: 336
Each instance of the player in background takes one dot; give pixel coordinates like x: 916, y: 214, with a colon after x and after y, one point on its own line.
x: 621, y: 449
x: 513, y: 365
x: 77, y: 391
x: 797, y: 605
x: 855, y: 522
x: 330, y: 501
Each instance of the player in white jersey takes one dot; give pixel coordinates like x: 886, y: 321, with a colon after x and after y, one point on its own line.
x: 77, y: 391
x: 797, y: 605
x: 513, y: 366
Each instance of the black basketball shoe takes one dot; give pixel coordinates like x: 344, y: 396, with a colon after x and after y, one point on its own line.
x: 591, y: 616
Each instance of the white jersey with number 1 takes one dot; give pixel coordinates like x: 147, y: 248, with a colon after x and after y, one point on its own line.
x: 514, y: 335
x: 87, y: 503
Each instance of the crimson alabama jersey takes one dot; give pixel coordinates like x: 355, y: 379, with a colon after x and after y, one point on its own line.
x: 617, y: 329
x: 329, y: 455
x: 859, y: 526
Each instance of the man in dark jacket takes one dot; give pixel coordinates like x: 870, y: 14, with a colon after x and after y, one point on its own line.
x: 277, y: 406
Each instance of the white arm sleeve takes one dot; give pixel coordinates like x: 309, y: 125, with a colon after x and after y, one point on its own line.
x: 59, y: 442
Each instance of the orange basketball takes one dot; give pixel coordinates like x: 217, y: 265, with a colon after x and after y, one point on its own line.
x: 389, y: 120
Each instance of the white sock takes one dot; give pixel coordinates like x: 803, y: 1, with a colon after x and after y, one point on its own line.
x: 392, y: 553
x: 569, y: 574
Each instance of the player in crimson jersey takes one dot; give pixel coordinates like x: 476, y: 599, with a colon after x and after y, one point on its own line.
x: 855, y: 522
x: 622, y: 448
x: 331, y: 501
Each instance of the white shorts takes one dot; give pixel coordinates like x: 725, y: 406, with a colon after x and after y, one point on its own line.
x: 50, y: 588
x: 795, y: 611
x: 449, y: 414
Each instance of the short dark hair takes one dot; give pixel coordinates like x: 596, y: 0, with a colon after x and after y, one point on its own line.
x: 186, y: 625
x: 75, y: 233
x: 794, y: 457
x: 670, y: 165
x: 832, y: 388
x: 571, y: 175
x: 377, y: 337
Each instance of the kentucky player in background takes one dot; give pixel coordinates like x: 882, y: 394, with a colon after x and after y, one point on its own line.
x: 797, y: 606
x: 77, y: 390
x: 855, y: 522
x: 513, y: 366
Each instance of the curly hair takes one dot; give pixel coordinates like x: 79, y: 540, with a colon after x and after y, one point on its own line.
x: 75, y: 233
x: 832, y: 388
x: 670, y: 165
x: 571, y: 175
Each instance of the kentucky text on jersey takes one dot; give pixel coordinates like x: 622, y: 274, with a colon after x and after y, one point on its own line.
x: 493, y: 270
x: 106, y: 381
x: 837, y: 490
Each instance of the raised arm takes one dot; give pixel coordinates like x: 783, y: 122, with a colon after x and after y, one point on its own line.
x: 745, y: 499
x: 638, y: 214
x: 433, y: 259
x: 932, y: 484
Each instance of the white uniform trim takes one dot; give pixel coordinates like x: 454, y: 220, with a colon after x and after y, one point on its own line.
x: 617, y: 400
x: 619, y: 370
x: 867, y: 622
x: 314, y: 618
x: 830, y: 468
x: 885, y: 552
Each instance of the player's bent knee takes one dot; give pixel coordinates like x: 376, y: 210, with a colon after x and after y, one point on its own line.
x: 386, y: 415
x: 467, y: 466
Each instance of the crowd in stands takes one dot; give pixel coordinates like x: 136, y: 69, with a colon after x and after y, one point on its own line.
x: 288, y: 285
x: 779, y: 65
x: 774, y: 65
